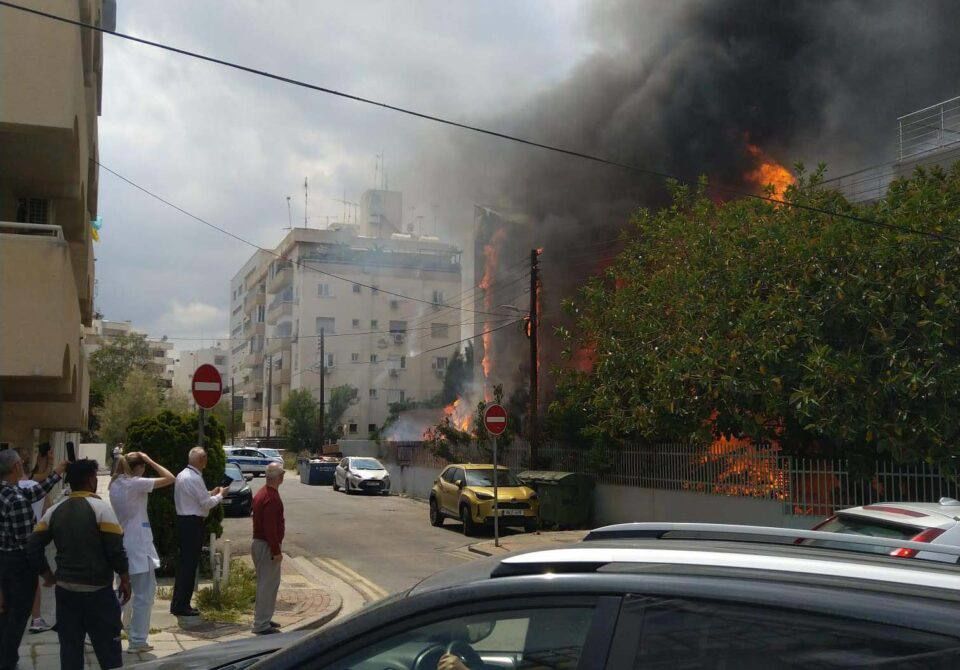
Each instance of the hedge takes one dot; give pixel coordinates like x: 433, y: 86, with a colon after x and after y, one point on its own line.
x: 167, y: 438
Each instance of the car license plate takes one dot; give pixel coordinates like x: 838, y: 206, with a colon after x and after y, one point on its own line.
x: 511, y: 512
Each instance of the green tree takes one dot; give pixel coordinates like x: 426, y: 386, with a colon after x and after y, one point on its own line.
x: 115, y: 360
x: 137, y: 397
x: 458, y: 376
x: 300, y: 420
x: 827, y: 334
x: 341, y: 397
x: 168, y: 438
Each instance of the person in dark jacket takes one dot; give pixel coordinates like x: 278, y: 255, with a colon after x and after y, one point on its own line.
x: 89, y: 543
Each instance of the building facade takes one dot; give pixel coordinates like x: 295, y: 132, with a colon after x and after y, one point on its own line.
x: 377, y: 296
x: 50, y: 95
x: 161, y: 360
x: 188, y: 361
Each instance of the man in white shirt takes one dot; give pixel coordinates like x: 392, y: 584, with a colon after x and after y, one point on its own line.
x: 193, y: 503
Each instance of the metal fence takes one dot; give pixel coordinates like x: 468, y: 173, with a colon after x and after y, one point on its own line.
x: 929, y: 129
x: 807, y: 487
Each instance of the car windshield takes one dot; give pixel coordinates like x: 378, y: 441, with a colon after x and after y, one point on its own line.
x: 366, y: 464
x: 232, y: 470
x: 272, y: 453
x: 853, y: 525
x: 485, y: 478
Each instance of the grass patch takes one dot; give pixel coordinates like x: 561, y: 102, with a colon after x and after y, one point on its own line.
x: 289, y: 460
x: 235, y: 599
x: 165, y: 592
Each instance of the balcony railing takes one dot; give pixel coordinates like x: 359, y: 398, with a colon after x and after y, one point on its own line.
x: 281, y: 275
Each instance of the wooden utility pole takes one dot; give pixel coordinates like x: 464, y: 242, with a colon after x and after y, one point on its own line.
x: 323, y: 374
x: 269, y: 391
x: 534, y: 357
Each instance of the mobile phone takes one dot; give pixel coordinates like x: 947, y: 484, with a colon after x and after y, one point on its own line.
x: 71, y: 452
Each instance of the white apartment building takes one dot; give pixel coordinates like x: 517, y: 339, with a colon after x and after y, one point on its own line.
x: 380, y: 307
x: 161, y: 362
x: 188, y: 361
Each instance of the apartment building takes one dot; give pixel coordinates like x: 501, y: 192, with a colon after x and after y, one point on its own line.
x: 376, y: 293
x: 50, y: 101
x: 187, y: 361
x: 161, y: 359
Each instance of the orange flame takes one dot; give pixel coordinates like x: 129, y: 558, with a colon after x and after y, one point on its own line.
x: 459, y: 414
x: 768, y: 172
x: 491, y: 251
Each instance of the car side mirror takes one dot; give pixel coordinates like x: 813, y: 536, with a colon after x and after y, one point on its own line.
x: 459, y: 483
x: 248, y: 478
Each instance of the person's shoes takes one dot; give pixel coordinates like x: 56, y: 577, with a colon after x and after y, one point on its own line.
x: 274, y: 624
x: 38, y: 625
x: 188, y: 612
x: 266, y: 631
x: 139, y: 648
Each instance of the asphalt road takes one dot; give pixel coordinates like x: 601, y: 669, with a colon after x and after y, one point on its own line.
x: 378, y: 544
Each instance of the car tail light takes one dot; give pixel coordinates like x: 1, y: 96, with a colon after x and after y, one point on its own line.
x: 925, y: 536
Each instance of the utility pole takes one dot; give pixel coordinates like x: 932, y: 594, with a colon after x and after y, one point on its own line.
x: 323, y: 374
x: 269, y: 391
x: 534, y: 357
x: 233, y: 408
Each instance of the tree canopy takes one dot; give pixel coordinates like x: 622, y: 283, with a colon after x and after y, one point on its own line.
x: 830, y: 335
x: 137, y: 397
x: 300, y: 416
x: 112, y: 362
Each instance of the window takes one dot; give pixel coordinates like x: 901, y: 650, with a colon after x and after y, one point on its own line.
x: 373, y: 358
x: 356, y: 323
x: 354, y: 358
x: 679, y: 633
x: 328, y: 324
x: 403, y: 362
x: 398, y: 327
x: 324, y: 291
x: 219, y: 360
x: 437, y: 297
x: 261, y: 313
x: 374, y: 324
x: 447, y: 475
x: 373, y: 394
x: 396, y: 395
x: 371, y: 428
x: 331, y: 360
x: 353, y: 427
x: 439, y: 363
x: 439, y: 330
x: 33, y: 210
x: 548, y: 637
x: 356, y: 289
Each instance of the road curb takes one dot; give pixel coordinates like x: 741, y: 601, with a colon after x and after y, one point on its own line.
x: 325, y: 617
x: 474, y: 549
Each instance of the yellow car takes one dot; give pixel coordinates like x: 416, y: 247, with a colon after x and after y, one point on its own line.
x: 465, y: 491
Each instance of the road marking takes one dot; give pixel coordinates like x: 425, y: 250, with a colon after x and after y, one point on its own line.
x: 370, y: 590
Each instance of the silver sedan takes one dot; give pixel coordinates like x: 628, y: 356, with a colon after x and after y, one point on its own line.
x: 363, y: 474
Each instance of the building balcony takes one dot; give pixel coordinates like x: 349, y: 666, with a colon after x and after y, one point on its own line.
x: 278, y: 310
x: 252, y: 415
x: 42, y: 365
x: 253, y: 360
x: 281, y: 276
x: 277, y: 344
x: 254, y: 300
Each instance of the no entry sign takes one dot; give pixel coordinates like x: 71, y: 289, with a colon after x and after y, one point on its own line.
x: 495, y: 419
x: 207, y: 386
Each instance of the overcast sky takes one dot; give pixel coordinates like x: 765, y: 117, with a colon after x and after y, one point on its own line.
x: 229, y: 147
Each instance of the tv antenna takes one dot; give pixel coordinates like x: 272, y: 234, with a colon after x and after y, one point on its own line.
x: 306, y: 192
x: 289, y: 216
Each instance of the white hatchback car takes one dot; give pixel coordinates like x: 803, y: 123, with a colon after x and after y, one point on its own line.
x: 930, y: 523
x: 251, y: 461
x: 361, y: 473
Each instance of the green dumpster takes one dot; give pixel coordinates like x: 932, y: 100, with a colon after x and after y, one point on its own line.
x: 566, y: 498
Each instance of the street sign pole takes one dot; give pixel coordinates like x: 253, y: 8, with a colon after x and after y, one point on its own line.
x: 200, y: 412
x: 496, y: 497
x: 207, y: 388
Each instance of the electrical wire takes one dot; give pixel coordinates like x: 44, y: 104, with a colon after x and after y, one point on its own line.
x: 660, y: 174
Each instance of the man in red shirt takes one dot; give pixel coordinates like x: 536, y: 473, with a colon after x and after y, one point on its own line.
x: 268, y: 528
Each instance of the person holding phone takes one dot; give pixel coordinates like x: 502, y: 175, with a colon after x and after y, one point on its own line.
x: 89, y: 542
x: 129, y: 490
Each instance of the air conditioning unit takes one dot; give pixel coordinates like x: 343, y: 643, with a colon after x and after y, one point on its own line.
x: 398, y: 338
x: 440, y: 373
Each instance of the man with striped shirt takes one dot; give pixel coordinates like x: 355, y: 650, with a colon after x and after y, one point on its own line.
x: 90, y: 551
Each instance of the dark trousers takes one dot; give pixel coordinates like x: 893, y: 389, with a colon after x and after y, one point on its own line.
x: 190, y: 538
x: 96, y: 614
x: 19, y: 584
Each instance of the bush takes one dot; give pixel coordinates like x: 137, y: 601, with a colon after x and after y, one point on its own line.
x: 234, y: 599
x: 168, y: 438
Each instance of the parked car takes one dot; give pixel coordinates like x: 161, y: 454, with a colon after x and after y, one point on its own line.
x: 254, y: 461
x: 465, y: 492
x: 363, y: 474
x: 237, y: 497
x: 655, y: 596
x: 929, y: 523
x: 271, y: 453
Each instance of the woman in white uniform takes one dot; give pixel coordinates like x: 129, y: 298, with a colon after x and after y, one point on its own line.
x: 129, y: 490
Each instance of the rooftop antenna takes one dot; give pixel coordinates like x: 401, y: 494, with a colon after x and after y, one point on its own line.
x: 289, y: 216
x: 376, y: 170
x: 306, y: 192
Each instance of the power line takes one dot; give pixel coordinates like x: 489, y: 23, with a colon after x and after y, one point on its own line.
x: 484, y: 131
x: 272, y: 252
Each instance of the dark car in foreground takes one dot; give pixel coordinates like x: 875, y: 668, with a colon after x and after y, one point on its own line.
x: 237, y: 496
x: 661, y: 596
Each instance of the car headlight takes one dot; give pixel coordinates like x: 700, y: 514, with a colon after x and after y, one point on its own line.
x: 245, y: 490
x: 484, y: 496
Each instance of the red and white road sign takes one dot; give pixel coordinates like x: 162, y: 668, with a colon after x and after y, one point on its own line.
x: 495, y: 419
x: 207, y: 386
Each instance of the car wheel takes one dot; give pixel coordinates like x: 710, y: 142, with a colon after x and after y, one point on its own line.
x: 336, y: 487
x: 436, y: 518
x: 469, y: 527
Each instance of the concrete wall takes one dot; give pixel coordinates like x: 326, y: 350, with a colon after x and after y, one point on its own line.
x: 414, y: 481
x: 359, y: 448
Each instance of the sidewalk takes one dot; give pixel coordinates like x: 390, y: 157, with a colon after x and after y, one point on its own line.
x: 301, y: 603
x: 527, y: 541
